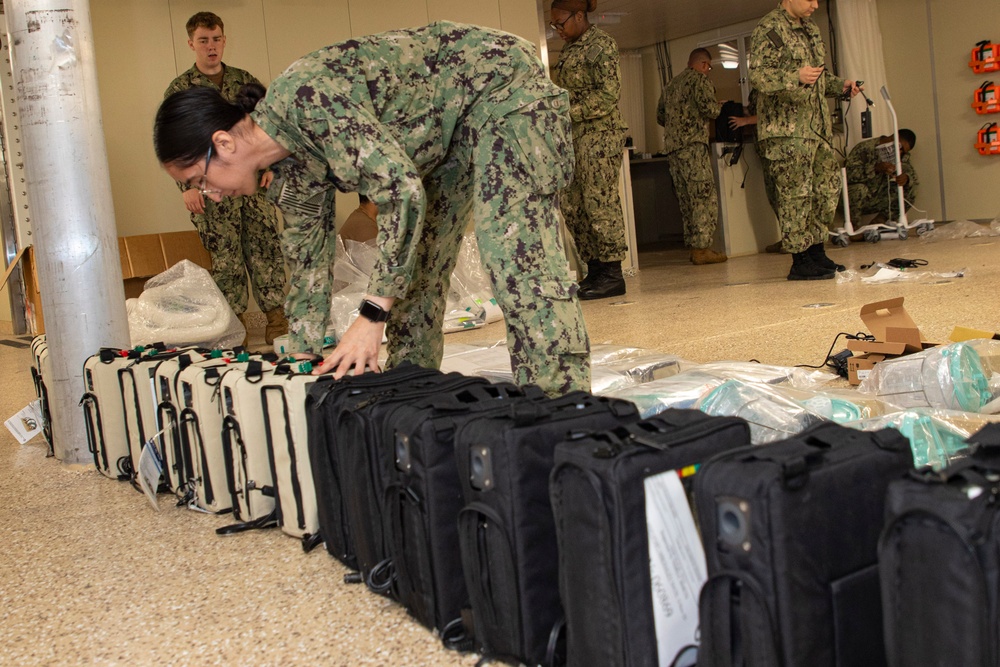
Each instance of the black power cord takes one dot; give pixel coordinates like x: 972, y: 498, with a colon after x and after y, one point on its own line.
x: 838, y: 362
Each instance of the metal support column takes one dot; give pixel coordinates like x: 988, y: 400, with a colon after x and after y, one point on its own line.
x: 69, y: 189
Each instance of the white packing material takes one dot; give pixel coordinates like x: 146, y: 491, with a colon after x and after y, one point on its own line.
x: 183, y: 306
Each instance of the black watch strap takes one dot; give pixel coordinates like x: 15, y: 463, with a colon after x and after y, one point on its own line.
x: 372, y: 311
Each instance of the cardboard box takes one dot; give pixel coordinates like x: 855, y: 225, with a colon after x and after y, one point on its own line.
x: 858, y: 367
x: 959, y: 334
x: 147, y: 255
x: 142, y: 257
x: 894, y: 331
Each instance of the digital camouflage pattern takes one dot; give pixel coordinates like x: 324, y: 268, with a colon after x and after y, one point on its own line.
x: 686, y: 105
x: 794, y: 130
x: 806, y: 177
x: 872, y: 192
x: 434, y: 125
x: 589, y: 70
x: 694, y: 183
x: 240, y: 233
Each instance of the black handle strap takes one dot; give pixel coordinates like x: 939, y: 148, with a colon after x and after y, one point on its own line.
x: 268, y: 521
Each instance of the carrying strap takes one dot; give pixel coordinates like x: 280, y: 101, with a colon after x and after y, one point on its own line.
x: 310, y: 542
x: 265, y: 391
x: 95, y: 430
x: 268, y: 521
x: 190, y: 417
x: 455, y: 636
x: 254, y: 372
x: 231, y: 436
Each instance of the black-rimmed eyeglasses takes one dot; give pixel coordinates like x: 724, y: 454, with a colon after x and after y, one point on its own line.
x: 203, y: 184
x: 559, y: 26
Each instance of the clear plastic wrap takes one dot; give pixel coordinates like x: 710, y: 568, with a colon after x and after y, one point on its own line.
x: 351, y: 272
x: 682, y: 390
x: 960, y: 376
x: 880, y: 274
x: 937, y: 437
x: 962, y: 229
x: 833, y: 404
x: 748, y: 371
x: 470, y: 286
x: 612, y: 367
x: 772, y: 416
x: 183, y: 306
x: 470, y: 303
x: 489, y: 361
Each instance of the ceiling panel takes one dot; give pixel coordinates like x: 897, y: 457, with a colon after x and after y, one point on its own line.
x: 644, y: 22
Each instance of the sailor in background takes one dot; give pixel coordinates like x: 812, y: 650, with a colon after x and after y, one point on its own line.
x: 872, y: 179
x: 240, y: 233
x: 795, y: 133
x: 589, y: 69
x: 686, y: 105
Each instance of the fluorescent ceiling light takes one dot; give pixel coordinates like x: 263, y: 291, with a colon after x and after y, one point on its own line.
x: 730, y: 64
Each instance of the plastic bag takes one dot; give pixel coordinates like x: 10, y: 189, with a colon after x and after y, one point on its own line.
x: 183, y: 306
x: 470, y: 287
x: 771, y: 415
x: 937, y: 437
x: 951, y: 377
x: 880, y: 274
x: 748, y: 371
x: 470, y: 303
x: 962, y: 229
x: 682, y: 390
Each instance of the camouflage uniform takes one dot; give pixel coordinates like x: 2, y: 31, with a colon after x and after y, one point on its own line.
x: 686, y: 105
x: 794, y: 130
x: 871, y: 192
x: 433, y: 125
x: 240, y: 233
x: 589, y: 70
x: 765, y: 170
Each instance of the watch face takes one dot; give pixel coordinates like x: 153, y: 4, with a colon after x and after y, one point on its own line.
x: 372, y: 311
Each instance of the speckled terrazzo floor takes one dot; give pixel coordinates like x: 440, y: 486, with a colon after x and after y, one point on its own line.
x: 90, y: 574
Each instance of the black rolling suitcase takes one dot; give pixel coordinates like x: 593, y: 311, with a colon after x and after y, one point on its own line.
x: 366, y: 462
x: 323, y: 406
x: 506, y: 528
x: 939, y: 562
x: 425, y: 496
x: 791, y: 533
x: 625, y: 530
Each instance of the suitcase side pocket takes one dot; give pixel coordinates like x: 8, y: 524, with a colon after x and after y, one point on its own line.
x: 408, y: 544
x: 488, y: 563
x: 935, y: 599
x: 587, y: 581
x: 737, y: 627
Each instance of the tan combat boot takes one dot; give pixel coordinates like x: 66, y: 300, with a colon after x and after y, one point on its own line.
x: 245, y: 321
x: 706, y: 256
x: 277, y: 325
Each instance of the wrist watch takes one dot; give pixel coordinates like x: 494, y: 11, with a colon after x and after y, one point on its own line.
x: 372, y: 311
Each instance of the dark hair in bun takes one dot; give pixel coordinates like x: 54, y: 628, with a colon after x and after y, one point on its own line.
x: 249, y: 95
x: 186, y: 121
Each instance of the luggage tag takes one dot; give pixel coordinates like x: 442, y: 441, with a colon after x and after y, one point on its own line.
x: 677, y: 566
x: 150, y: 468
